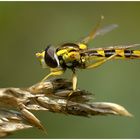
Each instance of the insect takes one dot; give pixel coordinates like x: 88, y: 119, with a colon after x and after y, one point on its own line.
x: 78, y: 56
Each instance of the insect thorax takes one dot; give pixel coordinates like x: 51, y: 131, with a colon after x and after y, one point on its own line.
x: 69, y: 56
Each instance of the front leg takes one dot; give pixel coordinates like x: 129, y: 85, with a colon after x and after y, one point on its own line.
x: 54, y: 72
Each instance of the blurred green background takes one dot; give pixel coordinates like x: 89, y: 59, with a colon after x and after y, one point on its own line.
x: 27, y: 27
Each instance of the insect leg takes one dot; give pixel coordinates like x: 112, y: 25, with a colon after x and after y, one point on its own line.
x: 74, y: 83
x: 74, y: 80
x: 98, y: 63
x: 53, y: 73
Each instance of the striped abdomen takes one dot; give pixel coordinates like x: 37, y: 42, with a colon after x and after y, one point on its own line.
x: 120, y: 54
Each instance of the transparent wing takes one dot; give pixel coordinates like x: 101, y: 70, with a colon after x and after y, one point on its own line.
x: 97, y: 31
x: 106, y: 29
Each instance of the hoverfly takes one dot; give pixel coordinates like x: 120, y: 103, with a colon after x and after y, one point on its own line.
x: 78, y: 56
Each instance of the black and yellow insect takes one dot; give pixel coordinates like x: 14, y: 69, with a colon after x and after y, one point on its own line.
x: 78, y: 56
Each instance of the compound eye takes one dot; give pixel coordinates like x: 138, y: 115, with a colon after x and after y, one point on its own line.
x: 51, y: 57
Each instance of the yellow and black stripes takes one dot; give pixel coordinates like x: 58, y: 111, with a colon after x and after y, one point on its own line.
x: 120, y: 54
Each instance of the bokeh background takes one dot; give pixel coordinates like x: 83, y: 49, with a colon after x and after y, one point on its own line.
x: 27, y: 27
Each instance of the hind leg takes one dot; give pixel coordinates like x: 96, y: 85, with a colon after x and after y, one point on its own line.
x: 98, y: 63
